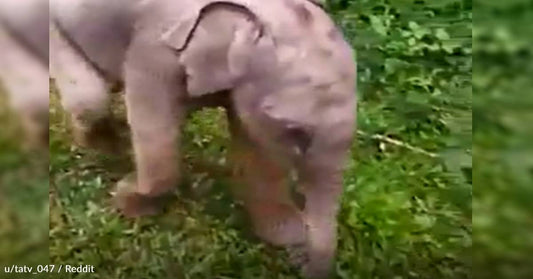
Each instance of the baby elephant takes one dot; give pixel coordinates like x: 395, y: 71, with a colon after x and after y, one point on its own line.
x: 280, y: 67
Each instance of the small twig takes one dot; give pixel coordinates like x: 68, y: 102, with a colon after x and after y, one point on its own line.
x: 398, y: 143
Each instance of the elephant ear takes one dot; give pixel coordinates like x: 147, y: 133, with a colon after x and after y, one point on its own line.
x: 215, y: 43
x: 180, y: 33
x: 242, y: 48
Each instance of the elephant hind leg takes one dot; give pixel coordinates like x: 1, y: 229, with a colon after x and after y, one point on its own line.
x: 84, y: 94
x: 264, y: 189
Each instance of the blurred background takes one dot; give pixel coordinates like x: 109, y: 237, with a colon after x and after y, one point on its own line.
x: 23, y: 163
x: 503, y: 139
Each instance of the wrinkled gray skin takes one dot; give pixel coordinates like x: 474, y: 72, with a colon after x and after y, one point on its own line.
x: 280, y: 67
x: 24, y: 64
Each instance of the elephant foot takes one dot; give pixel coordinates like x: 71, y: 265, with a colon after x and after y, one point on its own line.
x: 278, y: 224
x: 132, y: 204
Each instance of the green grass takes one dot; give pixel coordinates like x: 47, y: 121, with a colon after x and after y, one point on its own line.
x: 402, y: 215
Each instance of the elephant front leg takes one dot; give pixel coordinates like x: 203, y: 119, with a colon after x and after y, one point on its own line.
x: 263, y: 187
x: 154, y: 115
x: 275, y: 217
